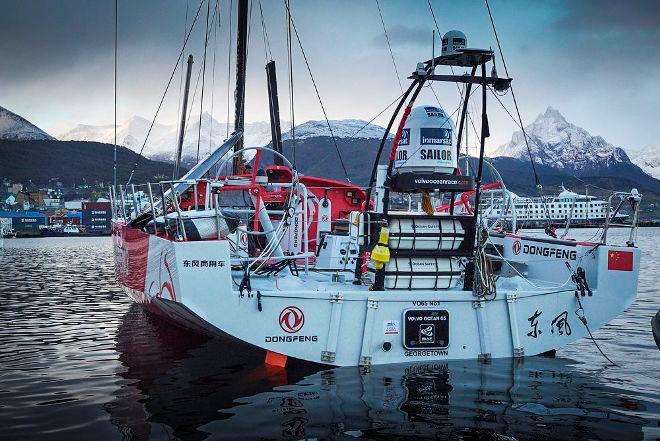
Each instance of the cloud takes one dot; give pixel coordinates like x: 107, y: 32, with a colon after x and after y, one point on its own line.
x: 610, y: 33
x: 402, y: 35
x: 611, y: 15
x: 40, y: 37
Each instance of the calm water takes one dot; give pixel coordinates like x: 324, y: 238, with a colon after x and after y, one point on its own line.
x: 79, y: 361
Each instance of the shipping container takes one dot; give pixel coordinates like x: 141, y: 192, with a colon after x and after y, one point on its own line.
x: 72, y: 218
x: 97, y: 217
x: 25, y: 223
x: 96, y: 206
x: 96, y: 212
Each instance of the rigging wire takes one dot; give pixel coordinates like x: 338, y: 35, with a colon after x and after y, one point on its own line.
x: 249, y: 32
x: 178, y: 106
x: 267, y: 51
x: 167, y: 87
x: 458, y: 88
x: 199, y: 77
x: 377, y: 115
x: 513, y: 95
x: 515, y: 121
x: 290, y: 80
x: 215, y: 49
x: 515, y: 102
x: 201, y: 100
x: 309, y: 69
x: 398, y: 77
x: 579, y: 312
x: 114, y: 163
x: 435, y: 95
x: 467, y: 145
x: 460, y: 91
x: 231, y: 13
x: 474, y: 127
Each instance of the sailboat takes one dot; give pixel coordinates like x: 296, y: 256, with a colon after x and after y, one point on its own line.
x: 328, y: 272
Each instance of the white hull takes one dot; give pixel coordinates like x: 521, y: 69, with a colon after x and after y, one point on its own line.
x: 315, y: 319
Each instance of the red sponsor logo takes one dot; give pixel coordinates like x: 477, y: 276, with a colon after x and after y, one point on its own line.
x: 516, y: 247
x: 165, y: 285
x: 620, y: 260
x: 291, y: 319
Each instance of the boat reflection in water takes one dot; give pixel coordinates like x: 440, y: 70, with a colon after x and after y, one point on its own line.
x: 182, y: 385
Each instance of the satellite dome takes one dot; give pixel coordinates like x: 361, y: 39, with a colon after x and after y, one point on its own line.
x: 427, y: 142
x: 452, y: 41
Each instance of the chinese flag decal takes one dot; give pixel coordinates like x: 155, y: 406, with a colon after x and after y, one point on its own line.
x: 620, y: 260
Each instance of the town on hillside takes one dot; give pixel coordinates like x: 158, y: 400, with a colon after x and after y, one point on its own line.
x: 29, y: 210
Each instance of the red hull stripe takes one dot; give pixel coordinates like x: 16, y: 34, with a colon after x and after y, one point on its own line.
x: 131, y: 247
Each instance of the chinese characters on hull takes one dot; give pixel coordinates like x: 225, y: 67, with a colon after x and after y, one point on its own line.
x: 203, y: 263
x: 558, y: 326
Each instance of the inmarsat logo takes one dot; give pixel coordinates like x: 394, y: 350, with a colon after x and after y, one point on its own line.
x: 291, y: 319
x: 405, y: 137
x: 516, y: 247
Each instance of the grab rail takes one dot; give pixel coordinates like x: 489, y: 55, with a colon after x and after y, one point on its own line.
x: 127, y: 204
x: 634, y: 198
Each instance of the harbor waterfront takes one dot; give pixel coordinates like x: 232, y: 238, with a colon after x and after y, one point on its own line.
x: 321, y: 220
x: 78, y: 358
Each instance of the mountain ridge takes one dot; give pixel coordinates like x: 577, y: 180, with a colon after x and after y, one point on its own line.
x: 648, y: 159
x: 14, y: 127
x: 163, y: 137
x: 557, y: 143
x: 38, y: 161
x: 563, y: 150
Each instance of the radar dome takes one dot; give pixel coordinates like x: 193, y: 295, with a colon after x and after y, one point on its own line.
x: 452, y: 41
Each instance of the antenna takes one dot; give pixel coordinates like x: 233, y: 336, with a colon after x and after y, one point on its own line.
x: 182, y: 128
x: 433, y: 53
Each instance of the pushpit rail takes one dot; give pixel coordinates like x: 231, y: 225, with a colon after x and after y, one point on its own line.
x: 128, y: 203
x: 634, y: 198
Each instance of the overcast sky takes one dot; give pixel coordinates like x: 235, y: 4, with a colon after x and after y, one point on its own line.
x: 597, y: 62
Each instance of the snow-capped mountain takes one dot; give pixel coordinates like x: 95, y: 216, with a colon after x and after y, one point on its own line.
x: 343, y: 128
x: 163, y: 137
x: 564, y: 146
x: 16, y: 128
x: 648, y: 160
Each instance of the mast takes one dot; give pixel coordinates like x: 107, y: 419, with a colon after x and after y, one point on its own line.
x: 239, y: 93
x: 179, y: 149
x: 274, y: 106
x: 114, y: 163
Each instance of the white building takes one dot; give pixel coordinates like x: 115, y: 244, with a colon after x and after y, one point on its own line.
x: 578, y: 207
